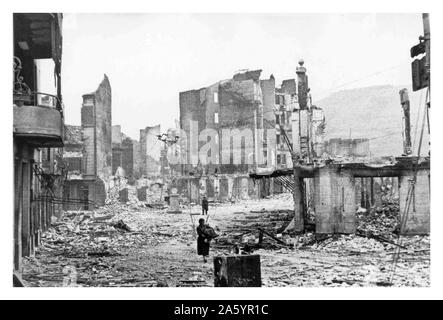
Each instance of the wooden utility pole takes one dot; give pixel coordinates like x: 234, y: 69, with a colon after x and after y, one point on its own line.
x: 421, y: 67
x: 404, y: 100
x: 427, y: 40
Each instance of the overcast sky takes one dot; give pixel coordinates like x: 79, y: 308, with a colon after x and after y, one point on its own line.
x: 150, y: 58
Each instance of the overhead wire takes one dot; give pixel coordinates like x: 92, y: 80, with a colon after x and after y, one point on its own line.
x: 410, y: 196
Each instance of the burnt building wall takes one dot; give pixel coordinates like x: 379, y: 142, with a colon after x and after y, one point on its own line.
x: 150, y: 148
x: 96, y: 151
x: 116, y: 135
x: 88, y: 137
x: 122, y: 152
x: 348, y: 147
x: 212, y: 121
x: 269, y: 118
x: 243, y: 102
x: 73, y: 164
x: 103, y: 129
x: 137, y: 159
x: 127, y: 157
x: 83, y: 194
x: 192, y: 112
x: 72, y: 160
x: 117, y: 153
x: 268, y: 92
x: 239, y: 105
x: 192, y: 108
x: 97, y: 132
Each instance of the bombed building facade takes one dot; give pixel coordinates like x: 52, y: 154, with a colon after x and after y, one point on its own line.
x: 334, y: 188
x: 122, y: 153
x: 37, y: 128
x: 357, y: 148
x: 150, y: 151
x: 241, y: 110
x: 87, y: 187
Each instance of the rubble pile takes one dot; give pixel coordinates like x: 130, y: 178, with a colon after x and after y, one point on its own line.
x: 382, y: 220
x: 123, y: 244
x: 349, y: 243
x: 367, y: 262
x: 90, y: 234
x: 92, y: 242
x: 255, y: 229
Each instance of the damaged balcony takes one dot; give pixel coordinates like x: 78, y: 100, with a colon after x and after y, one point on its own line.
x: 40, y: 123
x: 38, y: 107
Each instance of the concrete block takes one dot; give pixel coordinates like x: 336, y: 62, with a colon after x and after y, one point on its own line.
x: 237, y: 271
x: 224, y: 189
x: 244, y: 189
x: 123, y: 195
x: 358, y: 192
x: 141, y: 193
x: 335, y: 205
x: 417, y: 217
x: 210, y: 189
x: 174, y: 205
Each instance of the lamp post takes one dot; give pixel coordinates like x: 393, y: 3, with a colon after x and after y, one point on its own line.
x: 168, y: 141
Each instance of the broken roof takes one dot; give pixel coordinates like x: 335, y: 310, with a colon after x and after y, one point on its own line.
x: 289, y: 86
x: 247, y: 75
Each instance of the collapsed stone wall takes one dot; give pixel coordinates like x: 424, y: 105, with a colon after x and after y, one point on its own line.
x: 103, y: 130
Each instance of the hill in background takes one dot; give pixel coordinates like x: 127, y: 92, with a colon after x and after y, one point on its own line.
x: 375, y: 113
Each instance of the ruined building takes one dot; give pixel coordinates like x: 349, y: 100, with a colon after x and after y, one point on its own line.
x: 332, y: 190
x: 235, y: 103
x: 122, y: 153
x: 170, y: 147
x: 96, y: 151
x: 285, y: 102
x: 150, y: 150
x: 242, y: 105
x: 350, y: 148
x: 37, y: 128
x: 73, y: 151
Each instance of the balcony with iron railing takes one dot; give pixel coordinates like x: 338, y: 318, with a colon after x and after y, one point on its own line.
x: 38, y: 116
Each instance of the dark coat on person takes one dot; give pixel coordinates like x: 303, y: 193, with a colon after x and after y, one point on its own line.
x: 203, y: 241
x: 205, y: 204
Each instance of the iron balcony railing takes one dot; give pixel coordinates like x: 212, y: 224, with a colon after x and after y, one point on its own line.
x: 23, y: 95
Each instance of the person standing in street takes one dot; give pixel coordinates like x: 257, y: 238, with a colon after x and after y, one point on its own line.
x: 203, y: 240
x: 205, y: 206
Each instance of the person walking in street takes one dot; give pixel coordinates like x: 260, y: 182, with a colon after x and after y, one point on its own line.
x: 205, y: 206
x: 203, y: 240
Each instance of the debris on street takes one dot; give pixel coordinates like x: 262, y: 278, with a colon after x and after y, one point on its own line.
x: 120, y: 246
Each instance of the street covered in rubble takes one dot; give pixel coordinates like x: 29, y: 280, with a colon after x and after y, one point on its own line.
x: 125, y: 178
x: 136, y: 246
